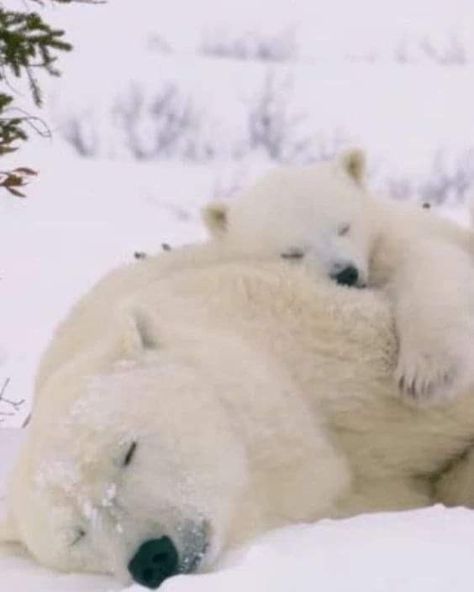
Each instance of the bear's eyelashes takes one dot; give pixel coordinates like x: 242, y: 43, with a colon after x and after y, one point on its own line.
x: 293, y: 253
x: 80, y: 534
x: 343, y: 229
x: 130, y: 454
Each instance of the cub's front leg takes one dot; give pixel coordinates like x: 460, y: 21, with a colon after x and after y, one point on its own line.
x: 432, y: 290
x: 455, y: 487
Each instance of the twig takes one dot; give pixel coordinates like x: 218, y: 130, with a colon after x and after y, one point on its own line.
x: 15, y: 404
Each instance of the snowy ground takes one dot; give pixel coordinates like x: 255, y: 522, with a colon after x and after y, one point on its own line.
x: 83, y: 217
x: 420, y: 551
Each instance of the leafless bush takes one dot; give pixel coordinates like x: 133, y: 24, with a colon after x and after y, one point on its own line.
x: 402, y: 53
x: 327, y: 146
x: 449, y: 180
x: 79, y: 131
x: 280, y: 133
x: 400, y: 188
x: 452, y: 52
x: 8, y: 407
x: 280, y: 47
x: 167, y: 126
x: 159, y: 44
x: 368, y: 56
x: 273, y: 127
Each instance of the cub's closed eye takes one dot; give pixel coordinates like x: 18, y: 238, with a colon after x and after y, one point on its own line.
x: 293, y: 254
x: 127, y: 459
x: 343, y: 229
x: 80, y: 534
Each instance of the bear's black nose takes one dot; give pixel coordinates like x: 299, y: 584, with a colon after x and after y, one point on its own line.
x: 347, y: 276
x: 155, y: 560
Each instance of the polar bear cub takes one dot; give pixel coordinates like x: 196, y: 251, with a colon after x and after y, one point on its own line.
x: 324, y: 217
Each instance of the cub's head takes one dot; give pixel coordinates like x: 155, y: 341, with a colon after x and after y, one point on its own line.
x: 317, y: 215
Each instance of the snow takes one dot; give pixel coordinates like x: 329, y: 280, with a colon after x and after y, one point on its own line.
x: 427, y: 550
x: 90, y: 217
x: 410, y: 551
x: 83, y: 217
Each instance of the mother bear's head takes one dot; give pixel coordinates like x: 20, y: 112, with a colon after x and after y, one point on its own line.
x: 151, y: 455
x: 193, y: 420
x: 136, y: 476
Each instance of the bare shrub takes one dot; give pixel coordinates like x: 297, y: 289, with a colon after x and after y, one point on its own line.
x: 8, y: 407
x: 367, y: 56
x: 159, y: 44
x: 164, y: 127
x: 449, y: 180
x: 81, y: 133
x: 279, y: 47
x: 400, y: 188
x: 280, y: 133
x: 327, y: 146
x: 402, y: 53
x: 448, y: 52
x: 273, y: 127
x: 452, y: 52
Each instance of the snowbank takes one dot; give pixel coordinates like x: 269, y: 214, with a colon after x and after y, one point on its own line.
x: 426, y: 550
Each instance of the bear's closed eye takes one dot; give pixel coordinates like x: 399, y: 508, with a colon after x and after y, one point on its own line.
x: 80, y: 534
x: 343, y: 229
x: 293, y: 253
x: 130, y: 454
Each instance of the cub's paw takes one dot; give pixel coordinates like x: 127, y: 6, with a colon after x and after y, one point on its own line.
x: 428, y: 377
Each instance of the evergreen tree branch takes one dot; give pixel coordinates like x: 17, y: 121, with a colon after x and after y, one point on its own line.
x: 28, y: 45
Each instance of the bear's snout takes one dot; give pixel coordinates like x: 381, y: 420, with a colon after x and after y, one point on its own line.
x: 348, y: 276
x: 155, y: 561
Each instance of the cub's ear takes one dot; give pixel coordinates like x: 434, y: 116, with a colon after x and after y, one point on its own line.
x: 215, y: 218
x: 354, y: 164
x: 8, y: 530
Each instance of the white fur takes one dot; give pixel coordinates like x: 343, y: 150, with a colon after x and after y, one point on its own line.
x: 423, y: 262
x: 298, y: 208
x: 257, y: 396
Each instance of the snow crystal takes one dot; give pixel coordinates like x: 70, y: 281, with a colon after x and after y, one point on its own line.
x: 60, y: 473
x: 109, y: 496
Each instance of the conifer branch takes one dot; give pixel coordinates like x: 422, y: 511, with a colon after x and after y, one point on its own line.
x: 28, y: 45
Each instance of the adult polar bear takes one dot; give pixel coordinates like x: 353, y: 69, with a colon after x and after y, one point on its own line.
x: 190, y: 403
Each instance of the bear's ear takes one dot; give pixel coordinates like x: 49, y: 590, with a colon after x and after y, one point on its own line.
x: 136, y: 331
x: 354, y: 163
x: 8, y: 531
x: 215, y: 217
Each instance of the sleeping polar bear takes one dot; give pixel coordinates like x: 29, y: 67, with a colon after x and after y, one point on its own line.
x: 324, y: 216
x: 190, y: 403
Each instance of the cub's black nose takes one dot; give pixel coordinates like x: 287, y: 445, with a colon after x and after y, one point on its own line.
x: 155, y: 560
x: 347, y: 276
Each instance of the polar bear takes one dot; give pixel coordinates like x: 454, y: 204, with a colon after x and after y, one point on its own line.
x: 324, y: 216
x: 190, y: 403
